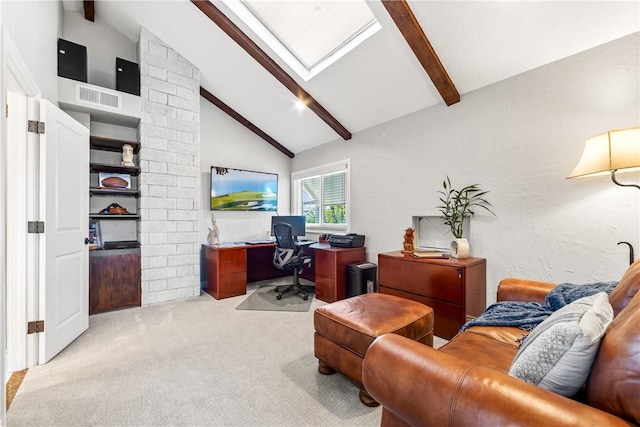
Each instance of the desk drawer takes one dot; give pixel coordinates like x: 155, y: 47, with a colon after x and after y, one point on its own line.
x: 233, y: 261
x: 326, y: 263
x: 441, y: 282
x: 326, y: 289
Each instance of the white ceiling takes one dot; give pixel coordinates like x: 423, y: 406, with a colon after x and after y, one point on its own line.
x: 478, y: 42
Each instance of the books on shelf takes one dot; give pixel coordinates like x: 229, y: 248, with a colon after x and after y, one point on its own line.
x: 431, y: 254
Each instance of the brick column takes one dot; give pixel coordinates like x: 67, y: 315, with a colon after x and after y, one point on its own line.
x: 169, y: 181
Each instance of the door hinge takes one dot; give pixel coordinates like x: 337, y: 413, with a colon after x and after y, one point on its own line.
x: 459, y: 273
x: 35, y: 227
x: 35, y: 327
x: 35, y: 126
x: 6, y: 110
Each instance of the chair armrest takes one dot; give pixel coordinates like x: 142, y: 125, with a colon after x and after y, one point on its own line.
x: 422, y: 386
x: 523, y: 290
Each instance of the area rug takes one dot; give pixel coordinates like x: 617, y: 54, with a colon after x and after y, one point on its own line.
x: 264, y: 297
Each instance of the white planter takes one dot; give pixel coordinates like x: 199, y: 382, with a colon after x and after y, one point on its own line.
x: 460, y: 248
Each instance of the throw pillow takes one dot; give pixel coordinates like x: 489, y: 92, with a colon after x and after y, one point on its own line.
x: 559, y: 352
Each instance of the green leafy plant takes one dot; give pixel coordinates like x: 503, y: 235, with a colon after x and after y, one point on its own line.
x: 460, y: 204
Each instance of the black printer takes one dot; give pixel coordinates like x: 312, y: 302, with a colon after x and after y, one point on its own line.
x: 347, y: 240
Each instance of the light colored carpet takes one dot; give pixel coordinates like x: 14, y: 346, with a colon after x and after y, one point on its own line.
x: 190, y: 363
x: 264, y: 297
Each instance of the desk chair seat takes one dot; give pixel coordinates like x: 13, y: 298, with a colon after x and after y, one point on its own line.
x: 289, y: 256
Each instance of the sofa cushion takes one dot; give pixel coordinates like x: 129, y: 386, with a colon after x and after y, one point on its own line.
x: 504, y: 334
x: 626, y: 288
x: 614, y: 383
x: 558, y: 353
x: 481, y: 349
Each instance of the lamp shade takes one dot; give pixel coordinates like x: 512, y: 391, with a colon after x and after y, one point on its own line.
x: 614, y: 150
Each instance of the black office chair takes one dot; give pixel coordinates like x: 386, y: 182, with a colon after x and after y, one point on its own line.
x: 289, y: 256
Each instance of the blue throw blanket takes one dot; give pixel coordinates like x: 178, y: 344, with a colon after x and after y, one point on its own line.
x: 528, y: 315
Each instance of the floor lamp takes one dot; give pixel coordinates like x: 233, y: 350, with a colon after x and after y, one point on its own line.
x: 611, y: 152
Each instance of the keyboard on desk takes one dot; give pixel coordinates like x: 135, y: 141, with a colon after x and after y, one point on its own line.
x: 259, y: 242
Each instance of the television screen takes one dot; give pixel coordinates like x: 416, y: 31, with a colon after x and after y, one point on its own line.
x: 243, y: 190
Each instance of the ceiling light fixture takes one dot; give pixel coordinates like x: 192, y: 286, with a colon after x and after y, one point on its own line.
x: 300, y: 105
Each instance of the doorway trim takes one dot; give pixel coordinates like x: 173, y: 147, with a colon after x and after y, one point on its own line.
x: 11, y: 63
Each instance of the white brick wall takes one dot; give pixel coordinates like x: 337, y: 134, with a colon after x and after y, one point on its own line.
x: 170, y: 178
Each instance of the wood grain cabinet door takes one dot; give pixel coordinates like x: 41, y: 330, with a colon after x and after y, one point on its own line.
x: 114, y: 282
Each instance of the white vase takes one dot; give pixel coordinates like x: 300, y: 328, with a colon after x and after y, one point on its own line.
x: 460, y: 248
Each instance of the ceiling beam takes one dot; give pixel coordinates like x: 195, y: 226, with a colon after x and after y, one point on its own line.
x: 246, y: 123
x: 89, y: 10
x: 416, y: 38
x: 269, y: 64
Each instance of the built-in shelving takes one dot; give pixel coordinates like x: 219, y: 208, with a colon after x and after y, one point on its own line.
x: 101, y: 167
x: 113, y: 216
x: 95, y: 191
x: 114, y: 274
x: 110, y: 144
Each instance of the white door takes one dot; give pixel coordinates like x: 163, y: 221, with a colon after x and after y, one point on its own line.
x: 64, y: 207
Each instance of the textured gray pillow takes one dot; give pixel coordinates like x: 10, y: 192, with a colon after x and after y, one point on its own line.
x: 559, y: 352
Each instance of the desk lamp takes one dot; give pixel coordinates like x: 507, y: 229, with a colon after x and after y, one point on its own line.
x: 613, y: 151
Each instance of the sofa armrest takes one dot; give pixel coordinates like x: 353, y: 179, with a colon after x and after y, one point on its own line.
x: 425, y: 387
x: 523, y: 290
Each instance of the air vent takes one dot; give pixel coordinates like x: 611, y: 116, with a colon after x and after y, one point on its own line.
x: 89, y: 95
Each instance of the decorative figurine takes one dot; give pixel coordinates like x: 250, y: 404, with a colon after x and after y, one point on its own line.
x: 214, y: 232
x: 408, y: 241
x: 127, y: 155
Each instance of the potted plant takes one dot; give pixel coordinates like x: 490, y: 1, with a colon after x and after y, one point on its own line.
x: 457, y: 205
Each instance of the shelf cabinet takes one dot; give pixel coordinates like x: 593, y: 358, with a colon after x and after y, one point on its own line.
x: 114, y: 274
x: 101, y: 167
x: 454, y: 288
x: 111, y: 144
x: 114, y: 280
x: 99, y: 191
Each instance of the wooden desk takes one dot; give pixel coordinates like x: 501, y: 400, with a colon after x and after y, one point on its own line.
x: 230, y: 266
x: 331, y: 270
x: 454, y: 288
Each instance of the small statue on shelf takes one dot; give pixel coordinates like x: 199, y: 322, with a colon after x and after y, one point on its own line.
x: 407, y: 245
x: 214, y: 233
x: 127, y: 155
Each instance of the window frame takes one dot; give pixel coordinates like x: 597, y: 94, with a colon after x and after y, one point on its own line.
x: 322, y: 170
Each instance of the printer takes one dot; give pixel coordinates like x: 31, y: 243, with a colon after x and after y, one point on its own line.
x: 347, y: 240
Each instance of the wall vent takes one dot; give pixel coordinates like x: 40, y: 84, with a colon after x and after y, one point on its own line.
x: 90, y: 95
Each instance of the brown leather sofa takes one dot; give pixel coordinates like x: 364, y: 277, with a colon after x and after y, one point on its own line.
x: 466, y: 382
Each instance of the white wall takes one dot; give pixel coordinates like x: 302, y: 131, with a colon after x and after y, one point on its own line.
x: 518, y: 138
x: 35, y: 27
x: 225, y: 142
x: 103, y: 45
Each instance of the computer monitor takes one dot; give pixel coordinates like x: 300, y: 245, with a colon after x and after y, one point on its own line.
x: 297, y: 223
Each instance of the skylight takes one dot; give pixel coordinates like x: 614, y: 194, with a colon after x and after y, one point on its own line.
x: 308, y: 35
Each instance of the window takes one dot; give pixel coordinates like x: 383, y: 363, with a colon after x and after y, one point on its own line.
x: 308, y: 35
x: 321, y: 194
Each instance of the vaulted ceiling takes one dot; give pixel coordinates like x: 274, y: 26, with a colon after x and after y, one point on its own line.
x: 477, y: 42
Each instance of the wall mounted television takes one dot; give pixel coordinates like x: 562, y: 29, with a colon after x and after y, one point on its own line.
x: 243, y: 190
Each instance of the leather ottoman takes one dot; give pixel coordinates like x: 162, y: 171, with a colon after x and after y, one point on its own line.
x: 345, y: 329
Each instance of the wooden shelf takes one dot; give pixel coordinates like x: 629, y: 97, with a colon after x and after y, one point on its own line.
x: 110, y: 144
x: 94, y: 191
x: 101, y: 167
x: 113, y: 216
